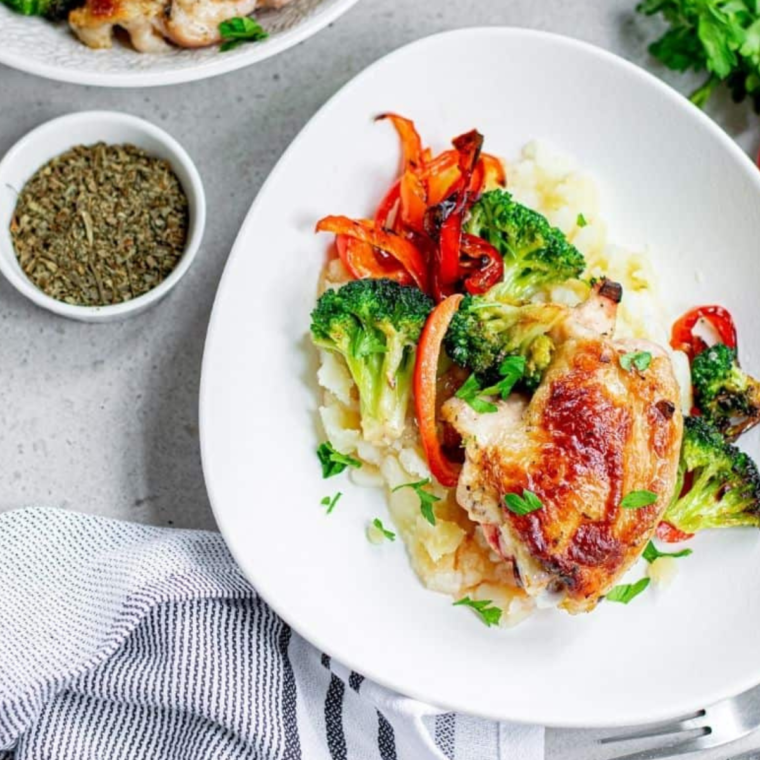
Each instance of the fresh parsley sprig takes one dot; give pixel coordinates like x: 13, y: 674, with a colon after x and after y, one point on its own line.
x: 719, y: 36
x: 626, y: 592
x: 330, y: 502
x: 379, y: 530
x: 638, y: 359
x: 427, y: 499
x: 489, y: 613
x: 511, y: 371
x: 638, y: 499
x: 236, y: 31
x: 651, y: 553
x: 523, y: 505
x: 333, y: 462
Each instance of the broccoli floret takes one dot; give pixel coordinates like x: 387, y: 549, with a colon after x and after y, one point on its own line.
x: 535, y: 253
x: 722, y: 482
x: 484, y: 332
x: 375, y: 326
x: 52, y: 9
x: 725, y: 394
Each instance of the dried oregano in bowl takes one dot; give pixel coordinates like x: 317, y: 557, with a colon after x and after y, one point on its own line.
x: 100, y: 224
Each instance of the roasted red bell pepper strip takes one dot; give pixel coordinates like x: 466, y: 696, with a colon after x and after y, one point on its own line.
x: 362, y: 261
x: 411, y: 144
x: 413, y: 201
x: 670, y: 534
x: 387, y: 205
x: 367, y: 232
x: 684, y: 339
x: 486, y: 263
x: 425, y: 389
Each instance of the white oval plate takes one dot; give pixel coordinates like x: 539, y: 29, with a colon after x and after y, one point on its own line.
x: 51, y: 50
x: 670, y: 177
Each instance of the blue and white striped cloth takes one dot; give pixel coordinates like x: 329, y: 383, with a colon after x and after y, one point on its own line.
x: 124, y: 642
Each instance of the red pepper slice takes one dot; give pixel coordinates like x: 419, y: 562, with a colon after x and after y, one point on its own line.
x: 425, y: 379
x: 683, y: 337
x: 361, y: 261
x: 413, y: 201
x: 494, y: 168
x: 411, y: 144
x: 488, y: 264
x: 670, y: 534
x: 387, y: 205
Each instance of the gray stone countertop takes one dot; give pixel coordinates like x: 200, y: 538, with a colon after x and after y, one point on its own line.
x: 103, y: 418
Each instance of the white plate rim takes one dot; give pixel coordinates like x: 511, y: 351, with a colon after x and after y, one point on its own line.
x: 221, y: 65
x: 684, y: 707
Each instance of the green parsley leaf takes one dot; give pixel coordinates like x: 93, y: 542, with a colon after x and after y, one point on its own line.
x: 330, y: 502
x: 626, y: 592
x: 489, y: 613
x: 378, y: 523
x: 523, y: 505
x: 427, y: 499
x: 333, y: 462
x: 581, y: 220
x: 721, y: 36
x: 651, y: 553
x: 236, y: 31
x: 638, y: 359
x: 638, y: 499
x: 470, y: 393
x: 511, y: 370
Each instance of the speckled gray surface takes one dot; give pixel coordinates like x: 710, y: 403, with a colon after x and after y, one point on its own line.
x: 103, y: 419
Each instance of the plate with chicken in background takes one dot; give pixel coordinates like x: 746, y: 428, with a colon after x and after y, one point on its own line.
x: 145, y: 43
x: 482, y: 426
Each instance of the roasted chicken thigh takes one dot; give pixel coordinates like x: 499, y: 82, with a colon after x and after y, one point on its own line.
x: 592, y: 433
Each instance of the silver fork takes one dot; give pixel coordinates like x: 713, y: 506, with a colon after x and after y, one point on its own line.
x: 715, y: 726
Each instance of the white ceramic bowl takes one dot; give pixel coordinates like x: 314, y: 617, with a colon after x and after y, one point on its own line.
x: 668, y: 177
x: 86, y: 128
x: 51, y: 50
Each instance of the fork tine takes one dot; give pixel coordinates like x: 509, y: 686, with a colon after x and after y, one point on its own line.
x: 685, y: 723
x: 674, y: 750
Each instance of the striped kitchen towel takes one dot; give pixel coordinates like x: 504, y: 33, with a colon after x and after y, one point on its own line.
x: 123, y: 641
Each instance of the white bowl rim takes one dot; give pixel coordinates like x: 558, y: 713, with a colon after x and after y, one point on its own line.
x: 198, y: 222
x: 221, y: 65
x: 751, y: 678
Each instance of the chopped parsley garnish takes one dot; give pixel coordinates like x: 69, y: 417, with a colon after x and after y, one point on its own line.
x: 378, y: 523
x: 522, y: 505
x: 330, y: 502
x: 236, y: 31
x: 489, y: 613
x: 333, y: 462
x: 626, y: 592
x: 511, y: 370
x: 581, y: 220
x: 638, y: 359
x: 651, y: 553
x: 638, y: 499
x: 427, y: 499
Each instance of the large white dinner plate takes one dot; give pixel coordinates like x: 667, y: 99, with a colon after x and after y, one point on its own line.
x: 669, y: 177
x: 52, y: 51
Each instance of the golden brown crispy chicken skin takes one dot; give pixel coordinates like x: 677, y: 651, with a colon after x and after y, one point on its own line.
x: 592, y: 433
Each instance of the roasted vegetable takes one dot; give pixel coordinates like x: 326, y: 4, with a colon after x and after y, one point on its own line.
x: 52, y: 9
x: 484, y: 332
x: 724, y: 394
x: 535, y: 253
x: 718, y: 485
x: 375, y: 325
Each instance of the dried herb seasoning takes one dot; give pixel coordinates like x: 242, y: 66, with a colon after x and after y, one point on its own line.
x: 100, y: 224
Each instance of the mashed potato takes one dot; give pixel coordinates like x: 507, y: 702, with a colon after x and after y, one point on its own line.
x: 452, y: 557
